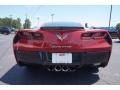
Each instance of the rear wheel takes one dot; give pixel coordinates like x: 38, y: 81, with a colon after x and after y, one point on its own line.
x: 24, y: 64
x: 90, y: 69
x: 31, y: 67
x: 104, y: 64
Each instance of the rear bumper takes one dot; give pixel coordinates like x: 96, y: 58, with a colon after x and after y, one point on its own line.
x: 44, y: 58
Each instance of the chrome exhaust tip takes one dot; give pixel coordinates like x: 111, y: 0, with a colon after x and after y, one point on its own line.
x: 57, y: 68
x: 50, y: 68
x: 65, y: 68
x: 72, y: 69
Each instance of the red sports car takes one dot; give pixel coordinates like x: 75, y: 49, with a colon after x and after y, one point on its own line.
x: 62, y: 46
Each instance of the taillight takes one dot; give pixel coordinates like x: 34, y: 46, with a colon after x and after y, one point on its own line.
x: 94, y: 35
x: 25, y: 35
x: 31, y: 35
x: 86, y: 35
x: 38, y: 36
x: 99, y: 35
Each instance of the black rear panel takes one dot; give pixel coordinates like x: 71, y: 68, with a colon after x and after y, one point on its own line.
x: 44, y: 58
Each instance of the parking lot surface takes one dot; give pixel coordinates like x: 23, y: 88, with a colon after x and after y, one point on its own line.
x: 11, y: 73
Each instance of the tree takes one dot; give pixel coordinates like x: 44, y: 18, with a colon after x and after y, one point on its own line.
x: 16, y: 23
x: 6, y: 22
x: 1, y: 23
x: 27, y: 24
x: 118, y: 27
x: 9, y: 22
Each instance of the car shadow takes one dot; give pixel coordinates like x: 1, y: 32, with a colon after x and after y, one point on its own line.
x: 23, y: 76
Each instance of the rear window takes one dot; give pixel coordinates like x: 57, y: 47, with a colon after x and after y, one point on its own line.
x: 61, y: 26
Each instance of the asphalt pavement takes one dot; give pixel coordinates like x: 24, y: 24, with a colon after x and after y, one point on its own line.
x: 11, y: 73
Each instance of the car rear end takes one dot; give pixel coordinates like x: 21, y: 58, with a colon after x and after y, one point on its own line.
x: 62, y: 49
x: 5, y: 30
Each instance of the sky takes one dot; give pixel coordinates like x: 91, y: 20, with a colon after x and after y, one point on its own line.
x: 94, y: 15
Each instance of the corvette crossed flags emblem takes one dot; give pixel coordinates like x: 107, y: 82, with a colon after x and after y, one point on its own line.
x: 61, y: 38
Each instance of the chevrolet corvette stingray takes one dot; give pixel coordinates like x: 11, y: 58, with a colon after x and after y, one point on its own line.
x: 62, y: 46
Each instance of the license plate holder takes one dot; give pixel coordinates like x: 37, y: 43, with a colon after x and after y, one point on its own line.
x: 61, y: 57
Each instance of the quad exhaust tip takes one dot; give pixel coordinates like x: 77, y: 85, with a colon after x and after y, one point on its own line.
x: 61, y: 68
x: 65, y: 68
x: 57, y: 68
x: 50, y: 68
x: 72, y: 69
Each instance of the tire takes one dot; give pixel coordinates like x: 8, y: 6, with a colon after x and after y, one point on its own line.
x: 104, y: 64
x: 27, y: 65
x: 34, y: 68
x: 91, y: 69
x: 6, y: 33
